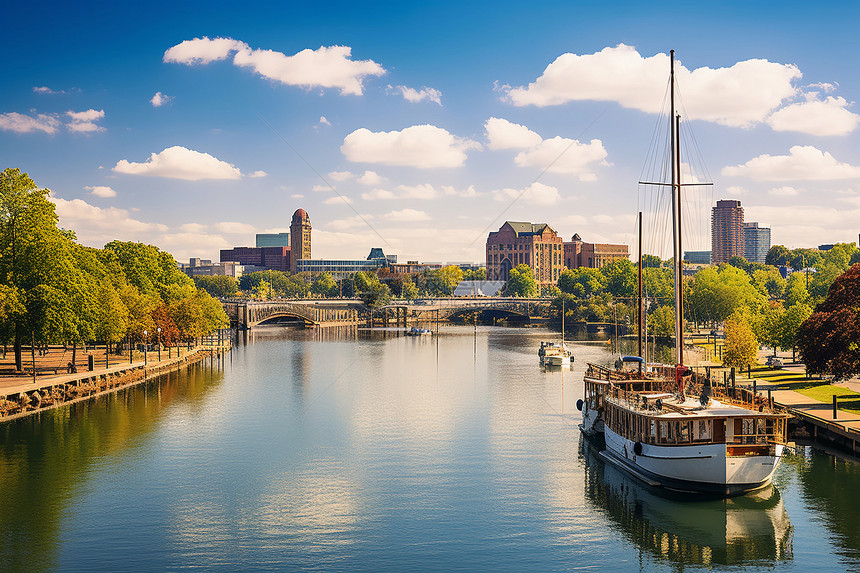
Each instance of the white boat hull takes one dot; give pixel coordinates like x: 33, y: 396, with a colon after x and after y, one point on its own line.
x: 698, y: 468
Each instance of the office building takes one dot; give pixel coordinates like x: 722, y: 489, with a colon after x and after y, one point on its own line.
x: 300, y: 237
x: 273, y: 240
x: 578, y: 253
x: 756, y: 242
x: 534, y: 244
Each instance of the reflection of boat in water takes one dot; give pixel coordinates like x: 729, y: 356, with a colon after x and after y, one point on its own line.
x: 747, y: 530
x: 554, y: 354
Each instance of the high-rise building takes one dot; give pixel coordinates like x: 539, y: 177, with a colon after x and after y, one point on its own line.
x: 727, y: 233
x: 300, y: 238
x: 533, y: 244
x: 756, y: 242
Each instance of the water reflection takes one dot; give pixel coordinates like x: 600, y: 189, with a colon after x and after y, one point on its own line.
x: 748, y: 530
x: 44, y: 458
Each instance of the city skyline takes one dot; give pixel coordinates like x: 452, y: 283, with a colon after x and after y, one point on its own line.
x: 422, y: 129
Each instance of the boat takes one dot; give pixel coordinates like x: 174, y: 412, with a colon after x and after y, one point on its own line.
x: 415, y: 331
x: 553, y: 353
x: 673, y: 428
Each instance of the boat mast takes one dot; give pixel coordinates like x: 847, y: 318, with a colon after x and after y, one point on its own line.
x: 639, y: 312
x: 674, y: 122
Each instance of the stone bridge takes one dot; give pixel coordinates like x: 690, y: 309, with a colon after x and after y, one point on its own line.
x: 447, y: 308
x: 245, y: 314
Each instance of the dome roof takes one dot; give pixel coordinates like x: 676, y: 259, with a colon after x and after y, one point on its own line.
x: 301, y: 215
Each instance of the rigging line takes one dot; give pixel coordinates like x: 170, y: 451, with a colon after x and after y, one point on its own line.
x: 539, y: 175
x: 324, y: 180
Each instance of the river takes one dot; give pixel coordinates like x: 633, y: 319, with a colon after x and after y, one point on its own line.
x: 354, y: 451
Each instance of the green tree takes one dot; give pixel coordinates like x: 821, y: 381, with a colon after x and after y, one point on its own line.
x: 621, y: 278
x: 263, y: 291
x: 442, y: 282
x: 222, y: 286
x: 651, y: 261
x: 324, y: 285
x: 661, y: 322
x: 408, y: 290
x: 716, y: 293
x: 778, y: 256
x: 582, y: 282
x: 521, y: 282
x: 370, y: 290
x: 741, y: 348
x: 768, y: 330
x: 829, y: 340
x: 475, y: 274
x: 792, y: 320
x: 796, y: 291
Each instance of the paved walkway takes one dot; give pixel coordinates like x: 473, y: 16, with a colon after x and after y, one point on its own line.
x: 24, y: 383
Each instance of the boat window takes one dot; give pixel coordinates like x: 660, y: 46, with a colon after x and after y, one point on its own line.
x: 664, y: 432
x: 653, y: 430
x: 685, y: 432
x: 702, y: 430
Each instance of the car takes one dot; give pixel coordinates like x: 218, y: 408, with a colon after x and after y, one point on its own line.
x: 774, y: 362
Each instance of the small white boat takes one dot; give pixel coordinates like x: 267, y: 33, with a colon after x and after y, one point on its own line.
x: 554, y: 354
x: 415, y: 331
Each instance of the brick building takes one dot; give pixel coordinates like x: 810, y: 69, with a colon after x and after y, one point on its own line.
x: 727, y: 231
x: 277, y: 258
x: 592, y: 255
x: 534, y: 244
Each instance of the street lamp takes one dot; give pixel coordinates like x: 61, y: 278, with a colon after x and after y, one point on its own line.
x: 159, y: 343
x: 145, y: 333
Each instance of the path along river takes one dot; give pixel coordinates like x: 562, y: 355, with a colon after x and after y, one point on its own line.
x: 349, y: 451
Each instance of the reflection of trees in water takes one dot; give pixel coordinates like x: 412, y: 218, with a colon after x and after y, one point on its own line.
x: 831, y: 484
x: 751, y: 529
x: 43, y: 458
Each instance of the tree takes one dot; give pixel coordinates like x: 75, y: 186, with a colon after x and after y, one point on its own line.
x: 442, y: 282
x: 324, y: 285
x: 796, y: 291
x: 521, y: 282
x: 582, y: 282
x: 769, y: 328
x: 371, y: 292
x: 621, y: 278
x: 475, y: 274
x: 716, y: 293
x: 741, y: 348
x: 661, y: 322
x: 777, y: 256
x: 793, y: 318
x: 222, y: 286
x: 408, y: 290
x: 829, y: 340
x: 651, y: 261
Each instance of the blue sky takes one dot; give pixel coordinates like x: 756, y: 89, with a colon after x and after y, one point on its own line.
x: 192, y: 126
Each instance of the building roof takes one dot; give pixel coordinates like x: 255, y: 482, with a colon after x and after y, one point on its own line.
x: 526, y: 229
x: 301, y: 215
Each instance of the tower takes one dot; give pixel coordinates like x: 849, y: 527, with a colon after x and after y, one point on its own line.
x: 727, y: 233
x: 300, y: 238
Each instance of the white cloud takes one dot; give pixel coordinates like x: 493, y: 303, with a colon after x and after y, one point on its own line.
x: 414, y: 96
x: 378, y: 194
x: 192, y: 227
x: 337, y: 200
x: 422, y: 146
x: 804, y: 163
x: 85, y: 121
x: 407, y: 215
x: 178, y: 162
x: 324, y: 121
x: 537, y: 193
x: 340, y: 175
x: 234, y: 228
x: 816, y: 117
x: 741, y: 95
x: 422, y: 191
x: 297, y: 196
x: 320, y: 188
x: 784, y: 191
x: 326, y: 67
x: 502, y: 134
x: 159, y: 99
x: 567, y: 156
x: 101, y: 191
x: 203, y: 50
x: 348, y: 223
x: 46, y: 90
x: 370, y: 178
x: 20, y: 123
x: 735, y: 191
x: 257, y: 174
x: 95, y: 225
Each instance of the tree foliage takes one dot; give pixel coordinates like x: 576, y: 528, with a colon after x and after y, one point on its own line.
x: 829, y: 340
x: 218, y: 285
x: 521, y: 282
x: 741, y: 348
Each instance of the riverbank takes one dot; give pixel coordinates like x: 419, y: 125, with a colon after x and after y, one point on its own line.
x: 20, y: 396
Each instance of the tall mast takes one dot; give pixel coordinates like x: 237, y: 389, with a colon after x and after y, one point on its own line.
x: 676, y: 210
x: 639, y: 311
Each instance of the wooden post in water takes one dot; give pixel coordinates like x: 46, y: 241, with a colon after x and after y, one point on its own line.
x: 834, y: 406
